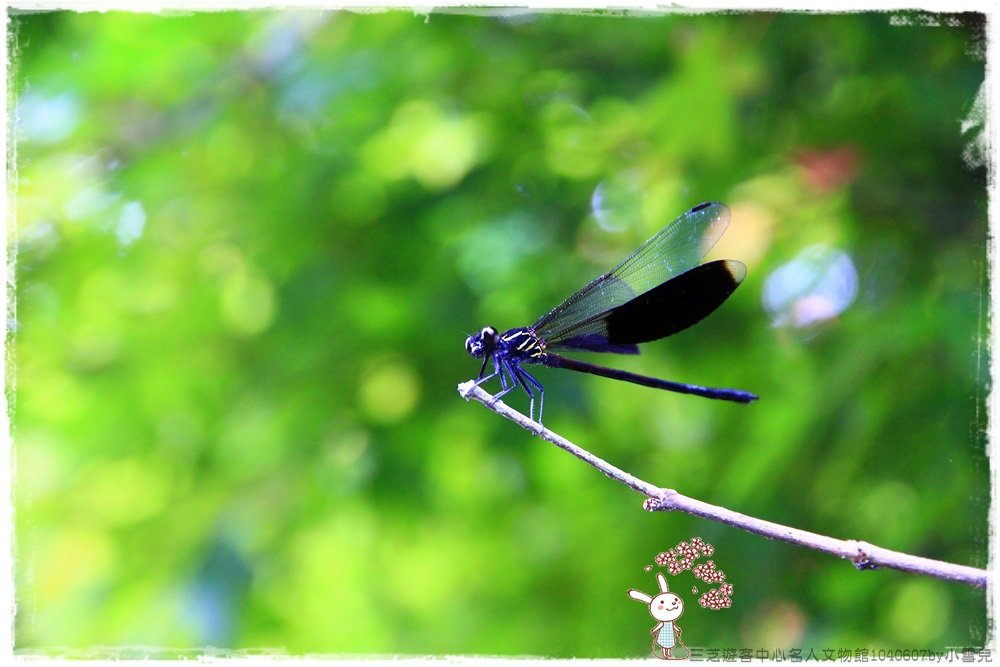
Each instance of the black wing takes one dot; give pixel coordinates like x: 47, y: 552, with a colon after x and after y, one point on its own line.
x: 654, y: 292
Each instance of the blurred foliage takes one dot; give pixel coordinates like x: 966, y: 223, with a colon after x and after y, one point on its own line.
x: 248, y: 246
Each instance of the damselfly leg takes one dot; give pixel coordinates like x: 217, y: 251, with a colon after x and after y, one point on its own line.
x: 482, y: 369
x: 528, y: 381
x: 505, y: 389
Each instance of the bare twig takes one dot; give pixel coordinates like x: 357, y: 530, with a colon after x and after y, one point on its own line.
x: 864, y: 556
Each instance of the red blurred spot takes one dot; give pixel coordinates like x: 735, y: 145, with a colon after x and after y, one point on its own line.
x: 827, y: 170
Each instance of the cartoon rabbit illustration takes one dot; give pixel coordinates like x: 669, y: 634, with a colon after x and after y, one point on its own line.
x: 665, y: 608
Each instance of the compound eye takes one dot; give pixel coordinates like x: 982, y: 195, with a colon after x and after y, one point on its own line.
x: 488, y: 332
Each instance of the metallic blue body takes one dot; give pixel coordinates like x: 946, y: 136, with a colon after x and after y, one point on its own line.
x: 508, y: 351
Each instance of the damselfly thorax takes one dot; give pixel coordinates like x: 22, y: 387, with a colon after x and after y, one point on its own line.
x: 522, y: 343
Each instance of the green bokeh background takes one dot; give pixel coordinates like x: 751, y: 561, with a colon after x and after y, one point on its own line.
x: 248, y: 246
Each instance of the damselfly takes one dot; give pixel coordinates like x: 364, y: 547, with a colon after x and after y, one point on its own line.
x: 656, y: 291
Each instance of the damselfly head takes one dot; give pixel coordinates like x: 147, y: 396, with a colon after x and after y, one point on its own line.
x: 482, y: 343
